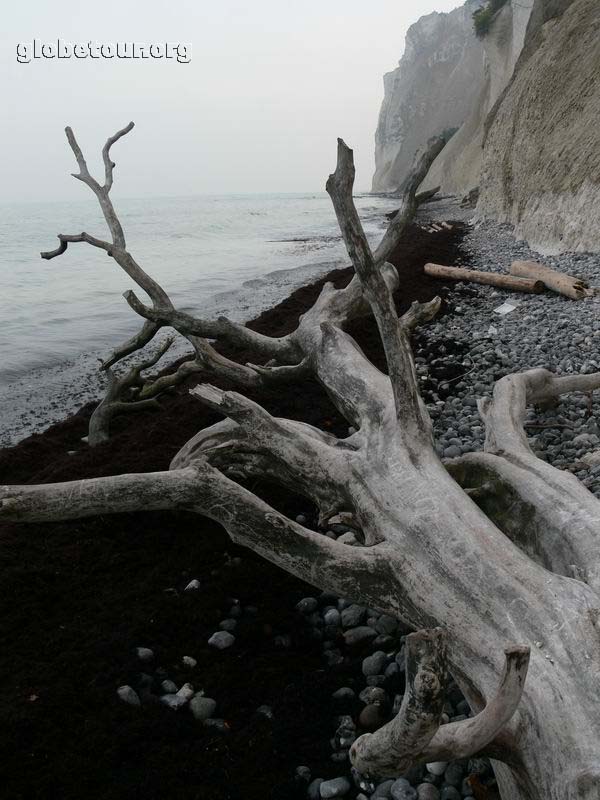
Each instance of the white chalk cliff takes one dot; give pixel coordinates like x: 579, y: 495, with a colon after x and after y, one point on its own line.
x: 432, y: 90
x: 457, y: 169
x: 541, y: 157
x: 530, y: 137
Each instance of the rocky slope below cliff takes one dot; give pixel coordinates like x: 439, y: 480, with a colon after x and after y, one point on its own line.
x: 433, y: 89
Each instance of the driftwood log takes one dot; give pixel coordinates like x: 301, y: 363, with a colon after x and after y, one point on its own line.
x: 507, y: 282
x: 558, y: 282
x: 498, y: 549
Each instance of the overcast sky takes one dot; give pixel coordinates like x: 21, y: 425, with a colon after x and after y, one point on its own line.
x: 270, y: 85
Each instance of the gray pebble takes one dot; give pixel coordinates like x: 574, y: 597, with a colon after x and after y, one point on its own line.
x: 337, y: 787
x: 128, y: 695
x: 313, y: 792
x: 374, y: 664
x: 402, y: 790
x: 202, y: 707
x: 221, y: 640
x: 383, y: 790
x: 353, y: 615
x: 307, y: 605
x: 144, y: 654
x: 359, y: 636
x: 427, y: 791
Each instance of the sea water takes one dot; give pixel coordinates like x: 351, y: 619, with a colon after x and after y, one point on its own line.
x: 221, y: 254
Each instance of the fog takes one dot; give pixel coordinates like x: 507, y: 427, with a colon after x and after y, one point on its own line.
x: 267, y: 88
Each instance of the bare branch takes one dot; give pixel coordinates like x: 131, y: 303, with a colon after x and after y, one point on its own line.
x: 221, y: 328
x: 119, y: 398
x: 87, y: 498
x: 505, y: 412
x: 415, y: 734
x: 409, y: 406
x: 101, y: 192
x: 391, y: 750
x: 410, y: 199
x: 284, y: 373
x: 472, y: 736
x: 109, y: 165
x: 203, y: 489
x: 65, y: 239
x: 274, y: 434
x: 147, y: 332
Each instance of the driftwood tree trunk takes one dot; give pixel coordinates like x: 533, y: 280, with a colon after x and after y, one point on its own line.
x: 508, y: 282
x: 558, y: 282
x: 494, y: 558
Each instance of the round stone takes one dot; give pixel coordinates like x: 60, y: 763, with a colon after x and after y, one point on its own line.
x: 355, y: 637
x: 453, y: 774
x: 303, y: 773
x: 437, y: 767
x: 128, y: 695
x: 427, y: 791
x: 337, y: 787
x: 221, y: 640
x: 144, y: 654
x: 450, y: 793
x: 313, y: 791
x: 307, y: 605
x: 371, y: 717
x: 202, y: 707
x: 344, y: 695
x: 375, y: 664
x: 402, y: 790
x: 332, y: 617
x: 353, y: 615
x: 374, y: 694
x: 383, y: 791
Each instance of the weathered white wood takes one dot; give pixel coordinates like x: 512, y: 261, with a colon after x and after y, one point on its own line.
x: 433, y: 556
x: 120, y: 397
x: 507, y: 282
x: 416, y: 733
x: 558, y: 282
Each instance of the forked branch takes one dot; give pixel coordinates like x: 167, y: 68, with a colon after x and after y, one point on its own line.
x: 409, y: 406
x: 124, y: 394
x: 415, y: 734
x: 391, y: 750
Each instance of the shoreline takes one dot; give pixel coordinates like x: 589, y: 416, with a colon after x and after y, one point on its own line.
x: 45, y: 395
x: 75, y: 386
x: 126, y: 574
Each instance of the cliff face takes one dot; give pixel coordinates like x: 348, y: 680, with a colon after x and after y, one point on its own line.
x: 526, y: 100
x: 457, y: 169
x: 439, y: 77
x: 541, y: 158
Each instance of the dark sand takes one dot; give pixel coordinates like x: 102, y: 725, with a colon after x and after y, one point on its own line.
x: 77, y: 598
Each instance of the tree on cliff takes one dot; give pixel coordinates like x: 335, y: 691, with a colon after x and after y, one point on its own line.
x: 492, y: 558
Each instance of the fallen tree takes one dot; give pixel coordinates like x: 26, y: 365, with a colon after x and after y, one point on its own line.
x: 575, y: 288
x: 493, y: 558
x: 507, y: 282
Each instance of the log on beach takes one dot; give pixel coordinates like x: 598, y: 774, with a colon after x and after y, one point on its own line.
x: 508, y: 282
x: 559, y: 282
